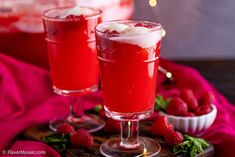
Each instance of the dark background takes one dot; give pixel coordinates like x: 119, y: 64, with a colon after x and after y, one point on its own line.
x: 200, y: 34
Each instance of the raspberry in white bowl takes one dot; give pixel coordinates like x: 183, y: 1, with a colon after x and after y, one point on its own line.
x: 187, y: 113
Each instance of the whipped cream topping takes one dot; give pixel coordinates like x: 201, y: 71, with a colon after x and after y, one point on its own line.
x: 132, y: 31
x: 141, y: 36
x: 118, y: 27
x: 97, y: 3
x: 77, y: 11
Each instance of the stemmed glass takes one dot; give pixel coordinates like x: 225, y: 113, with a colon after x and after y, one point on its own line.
x: 73, y: 61
x: 128, y: 54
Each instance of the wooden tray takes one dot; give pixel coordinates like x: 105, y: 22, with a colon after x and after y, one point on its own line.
x: 39, y: 132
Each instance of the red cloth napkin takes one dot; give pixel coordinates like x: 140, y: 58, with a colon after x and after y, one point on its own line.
x: 27, y: 99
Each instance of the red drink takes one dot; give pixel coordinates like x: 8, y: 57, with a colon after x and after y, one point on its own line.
x: 128, y: 57
x: 20, y: 31
x: 71, y: 47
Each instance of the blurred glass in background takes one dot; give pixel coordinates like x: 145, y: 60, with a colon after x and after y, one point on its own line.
x: 21, y: 28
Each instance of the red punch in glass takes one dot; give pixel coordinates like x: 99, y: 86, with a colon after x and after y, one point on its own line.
x: 72, y: 54
x: 128, y: 54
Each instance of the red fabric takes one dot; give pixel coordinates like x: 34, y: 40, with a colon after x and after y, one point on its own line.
x: 30, y: 148
x: 27, y: 99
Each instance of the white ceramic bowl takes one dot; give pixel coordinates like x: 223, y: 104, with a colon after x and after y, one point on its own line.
x: 193, y: 125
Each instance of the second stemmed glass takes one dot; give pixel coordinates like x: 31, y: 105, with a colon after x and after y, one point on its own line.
x: 73, y: 61
x: 128, y: 54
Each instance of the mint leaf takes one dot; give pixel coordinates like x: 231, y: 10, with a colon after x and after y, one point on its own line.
x: 160, y: 104
x: 190, y: 147
x: 98, y: 107
x: 61, y: 141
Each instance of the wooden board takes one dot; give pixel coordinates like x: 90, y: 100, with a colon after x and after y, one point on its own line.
x: 39, y: 132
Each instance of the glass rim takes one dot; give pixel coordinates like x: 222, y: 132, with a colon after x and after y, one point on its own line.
x: 127, y: 21
x: 98, y: 13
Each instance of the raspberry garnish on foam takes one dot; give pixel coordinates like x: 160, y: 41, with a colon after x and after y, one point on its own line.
x: 133, y: 33
x: 73, y: 17
x: 111, y: 32
x: 143, y: 25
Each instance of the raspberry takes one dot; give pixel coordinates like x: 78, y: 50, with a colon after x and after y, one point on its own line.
x: 203, y: 110
x: 207, y: 99
x: 65, y: 128
x: 82, y: 139
x: 112, y: 126
x: 73, y: 17
x: 172, y: 137
x: 160, y: 126
x: 111, y: 32
x: 102, y: 113
x: 188, y: 97
x: 177, y: 107
x: 143, y: 25
x: 190, y: 114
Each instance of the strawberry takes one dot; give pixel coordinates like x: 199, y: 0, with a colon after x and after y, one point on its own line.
x: 65, y: 128
x: 189, y: 98
x: 201, y: 110
x: 112, y: 126
x: 160, y: 126
x: 143, y: 25
x: 207, y: 99
x: 172, y: 137
x: 82, y: 139
x: 177, y: 107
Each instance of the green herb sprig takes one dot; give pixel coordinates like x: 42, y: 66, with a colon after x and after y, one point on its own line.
x: 61, y: 141
x: 160, y: 103
x: 190, y: 147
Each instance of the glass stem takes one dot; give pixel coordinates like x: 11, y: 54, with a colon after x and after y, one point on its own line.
x: 130, y: 134
x: 72, y: 101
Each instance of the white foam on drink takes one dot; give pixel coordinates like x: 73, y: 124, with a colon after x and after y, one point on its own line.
x: 116, y: 27
x: 141, y: 36
x: 77, y: 11
x: 97, y: 3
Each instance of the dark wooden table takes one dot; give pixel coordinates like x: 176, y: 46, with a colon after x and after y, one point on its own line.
x: 221, y: 73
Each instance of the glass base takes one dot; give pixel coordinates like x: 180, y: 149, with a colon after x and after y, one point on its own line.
x: 75, y: 92
x: 148, y: 147
x: 90, y: 122
x: 134, y: 116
